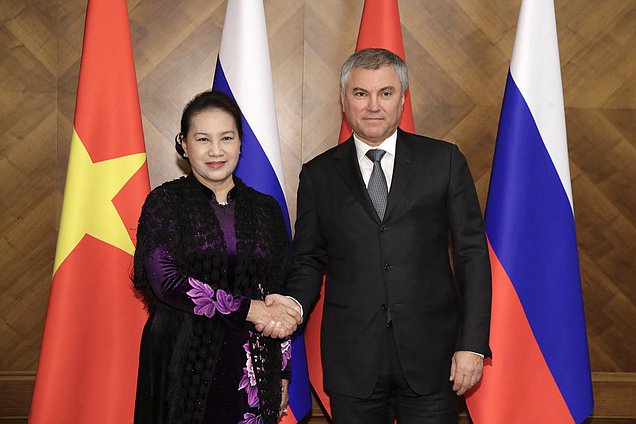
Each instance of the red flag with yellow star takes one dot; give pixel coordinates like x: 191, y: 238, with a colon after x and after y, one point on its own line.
x: 87, y: 369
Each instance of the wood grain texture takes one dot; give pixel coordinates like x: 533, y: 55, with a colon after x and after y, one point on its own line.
x: 458, y: 53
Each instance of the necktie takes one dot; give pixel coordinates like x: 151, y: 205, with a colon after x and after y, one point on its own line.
x: 378, y: 190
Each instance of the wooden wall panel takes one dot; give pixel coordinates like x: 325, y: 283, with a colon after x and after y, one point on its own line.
x: 458, y: 53
x: 27, y: 173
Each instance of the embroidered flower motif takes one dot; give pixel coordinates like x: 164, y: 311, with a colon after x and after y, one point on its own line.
x: 249, y: 418
x: 286, y: 350
x: 199, y: 289
x: 248, y: 381
x: 202, y: 296
x: 226, y: 303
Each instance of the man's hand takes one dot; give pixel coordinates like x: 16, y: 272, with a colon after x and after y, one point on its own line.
x: 276, y: 320
x: 283, y: 300
x: 466, y: 369
x: 277, y: 299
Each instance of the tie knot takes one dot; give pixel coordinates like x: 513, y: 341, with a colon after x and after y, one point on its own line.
x: 375, y: 154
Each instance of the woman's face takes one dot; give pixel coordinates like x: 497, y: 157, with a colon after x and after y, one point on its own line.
x: 213, y: 147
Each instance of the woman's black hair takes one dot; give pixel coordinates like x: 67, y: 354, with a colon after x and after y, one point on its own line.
x: 206, y: 101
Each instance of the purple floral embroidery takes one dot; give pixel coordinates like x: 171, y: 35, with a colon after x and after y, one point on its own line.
x: 249, y: 418
x: 226, y: 303
x: 286, y: 350
x: 201, y: 295
x: 199, y: 289
x: 248, y: 381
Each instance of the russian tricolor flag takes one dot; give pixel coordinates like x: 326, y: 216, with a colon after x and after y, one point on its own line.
x: 243, y: 71
x: 540, y: 371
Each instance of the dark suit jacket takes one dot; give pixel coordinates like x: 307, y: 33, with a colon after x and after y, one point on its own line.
x: 395, y: 270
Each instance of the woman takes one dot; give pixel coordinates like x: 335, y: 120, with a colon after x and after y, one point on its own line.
x: 209, y: 249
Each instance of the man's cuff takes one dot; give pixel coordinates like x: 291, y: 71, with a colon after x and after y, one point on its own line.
x: 475, y: 353
x: 301, y: 308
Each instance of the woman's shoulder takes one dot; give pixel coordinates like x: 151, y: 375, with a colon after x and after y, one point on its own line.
x: 167, y: 191
x: 258, y: 201
x: 251, y: 195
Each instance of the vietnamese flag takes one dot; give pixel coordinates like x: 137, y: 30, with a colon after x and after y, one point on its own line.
x: 380, y: 27
x: 87, y: 369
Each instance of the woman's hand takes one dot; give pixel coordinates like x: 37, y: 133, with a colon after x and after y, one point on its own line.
x: 279, y: 321
x: 284, y: 398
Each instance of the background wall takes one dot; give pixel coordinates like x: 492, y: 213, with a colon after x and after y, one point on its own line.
x: 458, y: 53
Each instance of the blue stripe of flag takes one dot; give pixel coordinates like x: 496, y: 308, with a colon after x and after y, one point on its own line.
x: 530, y: 225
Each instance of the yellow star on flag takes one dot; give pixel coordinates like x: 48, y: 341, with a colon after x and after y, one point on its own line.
x: 88, y: 207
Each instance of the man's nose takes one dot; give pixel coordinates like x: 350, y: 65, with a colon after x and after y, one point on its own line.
x: 373, y: 104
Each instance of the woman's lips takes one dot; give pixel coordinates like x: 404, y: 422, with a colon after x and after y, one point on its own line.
x: 215, y: 165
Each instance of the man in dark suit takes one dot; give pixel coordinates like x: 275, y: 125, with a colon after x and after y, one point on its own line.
x: 398, y: 341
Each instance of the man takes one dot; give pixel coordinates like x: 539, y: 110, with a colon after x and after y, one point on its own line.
x: 396, y: 342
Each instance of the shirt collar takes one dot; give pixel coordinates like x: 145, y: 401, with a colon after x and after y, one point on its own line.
x: 388, y: 145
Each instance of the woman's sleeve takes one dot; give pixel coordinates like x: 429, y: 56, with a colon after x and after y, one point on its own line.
x: 170, y: 283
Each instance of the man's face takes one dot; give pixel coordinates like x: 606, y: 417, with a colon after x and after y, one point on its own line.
x: 373, y: 103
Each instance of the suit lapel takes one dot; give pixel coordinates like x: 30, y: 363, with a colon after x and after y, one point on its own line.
x: 349, y: 170
x: 402, y: 170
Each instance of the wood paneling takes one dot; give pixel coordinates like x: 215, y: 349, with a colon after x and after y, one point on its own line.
x: 28, y: 177
x: 458, y: 53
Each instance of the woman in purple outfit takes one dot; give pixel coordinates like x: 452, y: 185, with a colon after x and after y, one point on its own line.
x: 209, y: 249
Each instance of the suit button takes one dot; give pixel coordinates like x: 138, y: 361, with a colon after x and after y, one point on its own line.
x: 384, y: 307
x: 387, y: 267
x: 383, y: 229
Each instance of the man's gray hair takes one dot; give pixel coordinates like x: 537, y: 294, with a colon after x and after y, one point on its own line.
x: 374, y: 59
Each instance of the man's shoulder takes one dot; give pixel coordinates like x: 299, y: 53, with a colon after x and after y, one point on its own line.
x: 330, y: 156
x: 423, y: 142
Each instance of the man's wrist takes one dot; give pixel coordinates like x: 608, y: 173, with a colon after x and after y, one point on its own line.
x: 299, y: 305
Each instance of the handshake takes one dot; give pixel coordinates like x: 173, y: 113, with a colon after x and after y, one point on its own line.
x: 278, y: 316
